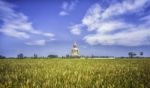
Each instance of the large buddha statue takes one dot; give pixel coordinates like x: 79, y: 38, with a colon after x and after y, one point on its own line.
x: 75, y: 50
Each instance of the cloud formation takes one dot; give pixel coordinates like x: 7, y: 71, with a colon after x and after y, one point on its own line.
x: 67, y: 7
x: 37, y: 42
x: 76, y: 29
x: 16, y: 24
x: 111, y: 26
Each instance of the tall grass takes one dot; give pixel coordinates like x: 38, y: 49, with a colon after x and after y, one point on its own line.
x: 75, y: 73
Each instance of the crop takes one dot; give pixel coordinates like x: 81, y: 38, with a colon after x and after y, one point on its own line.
x: 75, y: 73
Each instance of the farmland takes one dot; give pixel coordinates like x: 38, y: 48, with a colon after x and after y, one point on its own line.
x: 75, y: 73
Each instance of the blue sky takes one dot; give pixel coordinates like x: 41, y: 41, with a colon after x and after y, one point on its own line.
x: 100, y: 27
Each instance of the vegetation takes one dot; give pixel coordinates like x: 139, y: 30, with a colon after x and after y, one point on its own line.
x: 20, y: 56
x: 74, y: 73
x: 52, y: 56
x: 35, y: 56
x: 2, y: 57
x: 131, y: 54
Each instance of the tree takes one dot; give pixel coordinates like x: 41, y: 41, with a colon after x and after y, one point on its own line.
x: 131, y: 54
x: 52, y: 56
x: 2, y: 57
x: 141, y: 54
x: 134, y: 54
x: 67, y: 56
x: 35, y: 56
x: 20, y: 56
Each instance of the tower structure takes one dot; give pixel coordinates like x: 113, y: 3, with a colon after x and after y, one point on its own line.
x: 75, y: 50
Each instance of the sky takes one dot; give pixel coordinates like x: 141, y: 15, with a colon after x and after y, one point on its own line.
x: 100, y: 27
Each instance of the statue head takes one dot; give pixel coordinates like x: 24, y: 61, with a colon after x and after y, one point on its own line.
x: 75, y: 45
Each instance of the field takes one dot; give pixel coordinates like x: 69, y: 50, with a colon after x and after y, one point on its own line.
x: 75, y: 73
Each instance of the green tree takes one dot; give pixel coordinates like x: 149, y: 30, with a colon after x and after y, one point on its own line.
x: 131, y: 54
x: 141, y: 54
x: 2, y: 57
x: 52, y: 56
x: 20, y: 56
x: 35, y: 56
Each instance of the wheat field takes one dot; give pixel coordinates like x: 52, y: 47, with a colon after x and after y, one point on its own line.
x: 75, y: 73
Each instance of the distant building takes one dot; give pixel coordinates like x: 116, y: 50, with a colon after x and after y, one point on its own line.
x: 75, y: 51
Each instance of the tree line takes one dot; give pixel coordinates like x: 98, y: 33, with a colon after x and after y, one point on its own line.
x: 133, y: 54
x: 35, y: 56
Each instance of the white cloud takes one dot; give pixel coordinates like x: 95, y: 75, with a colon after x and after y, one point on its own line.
x: 146, y: 19
x: 132, y: 38
x: 14, y: 33
x: 76, y: 29
x: 48, y: 34
x: 92, y: 17
x: 67, y: 7
x: 110, y: 30
x: 63, y: 13
x: 37, y: 42
x: 125, y: 6
x: 16, y: 24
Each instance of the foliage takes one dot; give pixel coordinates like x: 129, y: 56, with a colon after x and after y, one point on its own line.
x: 20, y: 56
x: 35, y: 56
x: 53, y: 56
x: 2, y: 57
x: 131, y: 54
x: 74, y: 73
x: 141, y: 53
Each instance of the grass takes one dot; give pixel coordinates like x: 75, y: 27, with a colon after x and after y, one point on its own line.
x: 75, y: 73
